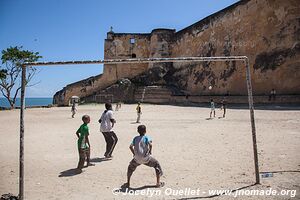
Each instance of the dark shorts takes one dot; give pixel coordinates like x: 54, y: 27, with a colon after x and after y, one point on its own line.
x: 151, y: 163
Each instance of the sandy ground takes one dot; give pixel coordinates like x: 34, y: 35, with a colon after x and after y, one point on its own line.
x: 194, y: 153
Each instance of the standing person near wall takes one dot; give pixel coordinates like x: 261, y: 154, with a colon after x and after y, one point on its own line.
x: 139, y: 112
x: 118, y: 105
x: 272, y: 95
x: 106, y: 125
x: 223, y: 107
x: 73, y: 109
x: 212, y: 108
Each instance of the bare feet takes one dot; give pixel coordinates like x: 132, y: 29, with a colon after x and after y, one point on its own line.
x: 109, y: 156
x: 90, y: 164
x: 160, y: 184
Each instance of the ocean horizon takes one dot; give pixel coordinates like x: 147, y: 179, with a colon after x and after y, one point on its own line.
x: 30, y: 101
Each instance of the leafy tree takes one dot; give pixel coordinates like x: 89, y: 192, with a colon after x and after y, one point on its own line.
x: 10, y: 76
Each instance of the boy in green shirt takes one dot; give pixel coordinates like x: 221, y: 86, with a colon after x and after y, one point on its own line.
x: 83, y: 143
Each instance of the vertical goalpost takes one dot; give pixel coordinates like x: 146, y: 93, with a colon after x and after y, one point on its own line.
x: 129, y: 61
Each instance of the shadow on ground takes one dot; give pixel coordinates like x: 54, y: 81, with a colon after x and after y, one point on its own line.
x: 69, y: 172
x: 74, y: 171
x: 135, y: 122
x: 99, y: 159
x: 209, y: 118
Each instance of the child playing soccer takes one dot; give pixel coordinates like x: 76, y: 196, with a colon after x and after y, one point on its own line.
x: 73, y: 110
x: 212, y: 108
x: 139, y: 112
x: 223, y: 102
x: 141, y: 148
x: 83, y: 143
x: 107, y: 123
x: 118, y: 106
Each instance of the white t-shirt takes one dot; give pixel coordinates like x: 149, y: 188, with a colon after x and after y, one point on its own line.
x: 106, y: 125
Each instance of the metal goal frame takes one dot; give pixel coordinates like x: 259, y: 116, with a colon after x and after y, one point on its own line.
x: 130, y: 61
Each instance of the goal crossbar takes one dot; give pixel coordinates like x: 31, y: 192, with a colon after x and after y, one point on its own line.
x: 140, y: 60
x: 132, y: 61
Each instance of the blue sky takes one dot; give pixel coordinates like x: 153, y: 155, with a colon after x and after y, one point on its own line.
x: 76, y: 30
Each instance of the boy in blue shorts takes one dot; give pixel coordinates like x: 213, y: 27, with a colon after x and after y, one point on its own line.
x: 141, y: 148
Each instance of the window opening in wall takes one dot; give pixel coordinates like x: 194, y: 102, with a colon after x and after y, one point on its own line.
x: 132, y: 40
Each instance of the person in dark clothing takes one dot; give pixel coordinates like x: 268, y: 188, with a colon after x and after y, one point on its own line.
x: 223, y: 107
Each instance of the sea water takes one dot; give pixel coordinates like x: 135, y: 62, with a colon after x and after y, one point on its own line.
x: 28, y: 102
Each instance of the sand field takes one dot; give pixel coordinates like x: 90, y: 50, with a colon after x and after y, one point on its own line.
x: 194, y: 152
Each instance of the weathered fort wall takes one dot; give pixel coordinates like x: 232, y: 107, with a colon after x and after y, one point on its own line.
x: 267, y: 31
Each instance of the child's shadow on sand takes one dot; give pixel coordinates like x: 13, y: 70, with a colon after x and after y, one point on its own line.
x: 209, y: 118
x: 69, y: 172
x: 135, y: 122
x: 74, y: 171
x: 99, y: 159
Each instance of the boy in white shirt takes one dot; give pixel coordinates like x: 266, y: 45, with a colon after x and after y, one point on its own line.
x: 106, y: 125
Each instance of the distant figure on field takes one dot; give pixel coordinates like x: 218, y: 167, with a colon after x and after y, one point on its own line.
x: 73, y: 109
x: 227, y: 93
x: 118, y: 105
x: 106, y: 125
x: 141, y: 148
x: 223, y: 107
x: 272, y: 95
x: 139, y: 112
x: 83, y: 143
x: 212, y: 108
x: 186, y: 99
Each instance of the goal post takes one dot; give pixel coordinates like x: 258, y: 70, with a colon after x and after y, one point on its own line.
x: 132, y: 61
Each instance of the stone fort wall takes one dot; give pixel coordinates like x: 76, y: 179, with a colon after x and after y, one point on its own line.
x: 267, y: 31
